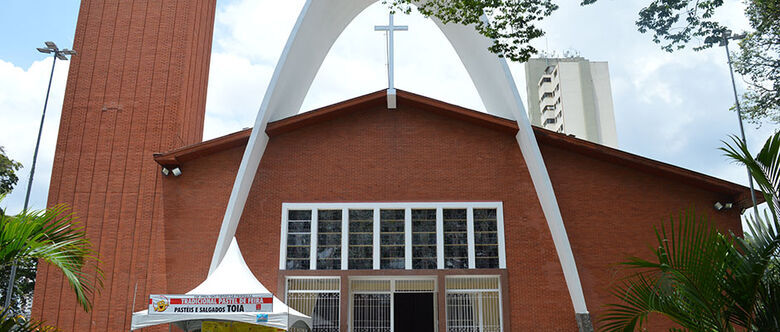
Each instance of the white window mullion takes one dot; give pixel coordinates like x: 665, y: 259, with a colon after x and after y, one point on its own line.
x: 470, y: 237
x: 283, y: 241
x: 376, y: 239
x: 313, y: 234
x: 439, y: 238
x: 500, y: 235
x: 408, y: 238
x: 344, y: 237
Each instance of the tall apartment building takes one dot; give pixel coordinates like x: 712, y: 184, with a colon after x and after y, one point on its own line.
x: 571, y: 96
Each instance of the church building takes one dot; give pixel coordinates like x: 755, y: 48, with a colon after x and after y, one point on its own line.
x: 387, y: 212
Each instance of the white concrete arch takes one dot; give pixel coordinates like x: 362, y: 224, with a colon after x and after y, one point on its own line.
x: 318, y: 26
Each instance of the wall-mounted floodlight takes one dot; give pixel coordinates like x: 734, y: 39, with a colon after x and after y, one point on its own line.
x: 165, y: 171
x: 176, y: 171
x: 723, y: 206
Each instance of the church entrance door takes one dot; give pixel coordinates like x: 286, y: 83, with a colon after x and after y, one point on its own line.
x: 413, y: 312
x: 393, y: 304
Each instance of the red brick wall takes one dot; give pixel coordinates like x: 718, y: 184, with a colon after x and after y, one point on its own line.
x: 610, y: 212
x: 410, y: 155
x: 137, y: 86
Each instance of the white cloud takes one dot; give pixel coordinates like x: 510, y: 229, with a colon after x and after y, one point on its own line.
x: 22, y: 94
x: 256, y: 30
x: 236, y: 88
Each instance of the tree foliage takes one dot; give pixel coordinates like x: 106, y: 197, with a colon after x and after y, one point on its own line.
x: 759, y: 62
x: 705, y: 280
x: 512, y: 24
x: 8, y: 168
x: 24, y: 285
x: 10, y: 322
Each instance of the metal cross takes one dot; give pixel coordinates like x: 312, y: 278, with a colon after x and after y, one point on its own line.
x: 390, y: 29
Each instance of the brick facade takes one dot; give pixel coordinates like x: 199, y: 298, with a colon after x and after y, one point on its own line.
x: 137, y: 86
x: 375, y: 155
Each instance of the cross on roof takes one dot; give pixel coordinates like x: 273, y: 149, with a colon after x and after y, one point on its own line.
x: 390, y: 29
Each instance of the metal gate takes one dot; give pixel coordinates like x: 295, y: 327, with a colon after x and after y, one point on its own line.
x: 473, y: 304
x: 318, y: 298
x: 372, y: 300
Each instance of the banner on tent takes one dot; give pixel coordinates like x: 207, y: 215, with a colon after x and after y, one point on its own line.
x: 196, y: 304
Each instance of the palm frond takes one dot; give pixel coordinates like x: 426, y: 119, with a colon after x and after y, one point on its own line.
x: 11, y: 323
x: 53, y: 236
x: 682, y: 282
x: 764, y: 168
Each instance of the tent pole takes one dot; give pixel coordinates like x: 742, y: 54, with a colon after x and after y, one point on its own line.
x: 135, y: 291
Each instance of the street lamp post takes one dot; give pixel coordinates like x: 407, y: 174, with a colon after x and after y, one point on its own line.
x: 57, y: 53
x: 724, y: 41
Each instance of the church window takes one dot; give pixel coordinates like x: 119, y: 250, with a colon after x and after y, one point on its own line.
x: 455, y: 239
x: 361, y: 238
x: 473, y: 303
x: 318, y: 298
x: 404, y: 235
x: 298, y: 239
x: 485, y: 238
x: 392, y: 238
x: 424, y: 239
x: 329, y: 239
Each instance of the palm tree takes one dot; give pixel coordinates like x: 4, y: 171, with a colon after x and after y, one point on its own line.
x: 705, y: 280
x: 52, y: 236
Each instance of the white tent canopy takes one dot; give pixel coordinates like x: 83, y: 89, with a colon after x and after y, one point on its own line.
x: 232, y: 276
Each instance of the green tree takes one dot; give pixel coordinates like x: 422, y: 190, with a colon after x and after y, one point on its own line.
x: 8, y: 168
x: 51, y: 236
x: 759, y: 62
x: 512, y: 22
x: 24, y: 285
x: 705, y: 280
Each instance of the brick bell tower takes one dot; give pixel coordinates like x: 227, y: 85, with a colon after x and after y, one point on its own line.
x: 136, y: 87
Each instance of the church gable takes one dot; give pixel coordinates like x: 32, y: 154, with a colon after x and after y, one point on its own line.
x: 425, y: 152
x: 409, y: 153
x: 405, y: 100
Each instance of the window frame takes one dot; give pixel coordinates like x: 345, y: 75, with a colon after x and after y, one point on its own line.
x: 408, y: 207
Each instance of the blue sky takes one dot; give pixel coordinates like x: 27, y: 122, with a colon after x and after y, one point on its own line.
x: 669, y: 107
x: 27, y: 24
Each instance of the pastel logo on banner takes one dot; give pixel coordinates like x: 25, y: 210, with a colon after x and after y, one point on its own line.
x: 262, y: 318
x: 159, y: 303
